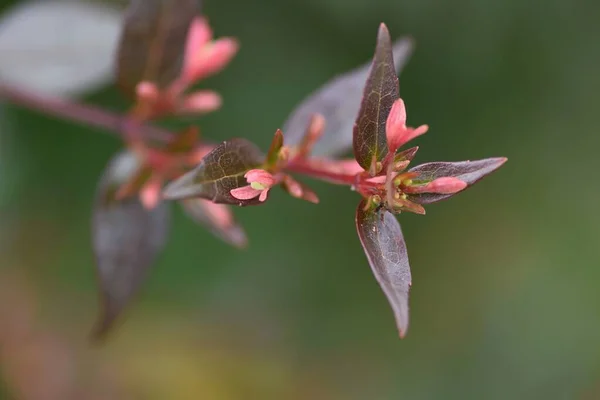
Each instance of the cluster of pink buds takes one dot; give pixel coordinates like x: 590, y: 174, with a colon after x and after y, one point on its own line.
x: 204, y: 56
x: 157, y: 166
x: 398, y: 183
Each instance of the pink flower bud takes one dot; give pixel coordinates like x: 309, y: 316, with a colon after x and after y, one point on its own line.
x: 245, y: 193
x: 397, y: 133
x: 446, y: 185
x: 150, y: 193
x: 260, y: 182
x: 201, y: 102
x: 147, y: 92
x: 198, y: 36
x: 261, y: 177
x: 209, y: 59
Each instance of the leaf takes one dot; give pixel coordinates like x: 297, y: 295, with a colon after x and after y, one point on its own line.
x: 276, y: 145
x: 153, y: 41
x: 218, y: 173
x: 381, y: 90
x: 58, y: 47
x: 339, y: 102
x: 383, y: 243
x: 218, y: 219
x: 127, y: 238
x: 467, y: 171
x: 406, y: 155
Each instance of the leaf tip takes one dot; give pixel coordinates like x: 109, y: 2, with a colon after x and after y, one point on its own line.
x: 99, y: 333
x: 383, y: 30
x: 383, y: 35
x: 402, y: 333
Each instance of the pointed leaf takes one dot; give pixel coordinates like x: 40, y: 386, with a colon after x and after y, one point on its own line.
x: 467, y: 171
x: 381, y: 90
x: 153, y: 41
x: 406, y: 155
x: 276, y: 145
x: 383, y: 242
x: 127, y: 239
x: 218, y: 173
x: 58, y: 47
x: 218, y: 219
x: 339, y: 102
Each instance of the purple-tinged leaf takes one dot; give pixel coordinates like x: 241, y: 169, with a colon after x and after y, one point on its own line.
x: 153, y: 41
x: 467, y: 171
x: 127, y: 239
x: 218, y: 219
x: 61, y: 48
x: 219, y: 172
x: 339, y: 102
x: 381, y: 90
x: 381, y: 237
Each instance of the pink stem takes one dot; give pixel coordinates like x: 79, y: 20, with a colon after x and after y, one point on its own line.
x: 299, y: 166
x: 358, y: 181
x: 82, y: 113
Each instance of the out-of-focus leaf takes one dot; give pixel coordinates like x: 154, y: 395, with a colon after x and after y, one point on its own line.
x: 58, y: 47
x: 127, y: 239
x: 153, y: 41
x: 381, y: 90
x: 218, y: 219
x: 218, y: 173
x: 339, y: 102
x: 383, y: 242
x: 299, y: 190
x: 467, y: 171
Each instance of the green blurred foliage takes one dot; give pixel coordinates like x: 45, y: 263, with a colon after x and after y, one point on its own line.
x: 505, y: 299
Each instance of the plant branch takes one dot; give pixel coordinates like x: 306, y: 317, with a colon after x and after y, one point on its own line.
x: 300, y: 166
x: 82, y: 113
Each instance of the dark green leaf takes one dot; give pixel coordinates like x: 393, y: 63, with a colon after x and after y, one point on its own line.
x: 153, y: 41
x: 382, y: 240
x: 467, y: 171
x: 219, y: 172
x: 381, y: 90
x: 339, y: 102
x: 127, y: 239
x: 218, y: 219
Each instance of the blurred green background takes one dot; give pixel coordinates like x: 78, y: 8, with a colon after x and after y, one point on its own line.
x: 505, y: 301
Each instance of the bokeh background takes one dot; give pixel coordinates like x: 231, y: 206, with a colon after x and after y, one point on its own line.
x: 505, y: 301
